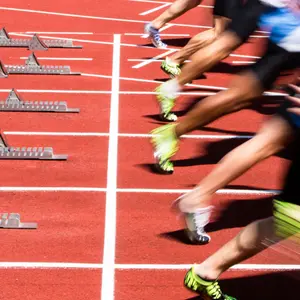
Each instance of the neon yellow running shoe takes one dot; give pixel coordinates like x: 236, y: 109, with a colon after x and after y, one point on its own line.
x: 166, y: 103
x: 287, y: 220
x: 165, y: 145
x: 208, y: 290
x: 171, y: 68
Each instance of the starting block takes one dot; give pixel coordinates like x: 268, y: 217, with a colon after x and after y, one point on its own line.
x: 14, y: 103
x: 27, y: 153
x: 35, y: 43
x: 13, y: 221
x: 33, y: 67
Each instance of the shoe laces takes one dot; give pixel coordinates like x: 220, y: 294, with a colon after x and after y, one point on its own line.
x: 214, y: 291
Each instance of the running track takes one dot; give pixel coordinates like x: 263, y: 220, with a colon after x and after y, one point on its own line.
x: 105, y: 227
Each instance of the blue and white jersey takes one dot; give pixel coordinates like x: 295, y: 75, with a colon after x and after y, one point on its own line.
x: 283, y: 23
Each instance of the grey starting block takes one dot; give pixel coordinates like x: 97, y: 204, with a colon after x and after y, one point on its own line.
x: 13, y: 221
x: 14, y: 103
x: 35, y: 43
x: 33, y: 67
x: 27, y: 153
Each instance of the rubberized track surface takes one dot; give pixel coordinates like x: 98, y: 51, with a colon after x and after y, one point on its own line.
x: 111, y: 235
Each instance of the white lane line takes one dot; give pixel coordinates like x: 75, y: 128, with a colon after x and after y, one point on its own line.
x: 86, y: 41
x: 148, y: 61
x: 91, y: 17
x: 57, y: 265
x: 63, y: 58
x: 243, y: 267
x: 55, y: 32
x: 147, y: 12
x: 191, y: 136
x: 166, y: 27
x: 48, y: 265
x: 220, y: 192
x: 108, y: 273
x: 200, y: 86
x: 50, y: 189
x: 162, y: 2
x: 163, y: 34
x: 133, y: 190
x: 127, y: 135
x: 106, y: 92
x: 124, y: 44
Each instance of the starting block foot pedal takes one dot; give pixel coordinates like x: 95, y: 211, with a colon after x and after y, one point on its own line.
x: 13, y: 221
x: 33, y: 67
x: 27, y: 153
x: 35, y: 43
x: 14, y: 103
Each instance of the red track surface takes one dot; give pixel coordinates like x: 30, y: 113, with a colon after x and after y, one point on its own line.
x: 71, y: 223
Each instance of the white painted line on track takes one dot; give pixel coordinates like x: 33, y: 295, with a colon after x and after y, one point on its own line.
x: 241, y: 267
x: 163, y: 34
x: 87, y: 41
x: 182, y: 191
x: 162, y: 2
x: 165, y: 27
x: 147, y: 12
x: 90, y: 17
x: 148, y: 61
x: 54, y: 32
x: 210, y: 87
x: 125, y: 44
x: 108, y: 272
x: 63, y: 58
x: 22, y: 189
x: 48, y: 265
x: 105, y: 92
x: 127, y: 135
x: 50, y: 189
x: 59, y: 265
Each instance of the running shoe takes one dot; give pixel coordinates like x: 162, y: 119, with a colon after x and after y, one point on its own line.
x: 287, y: 220
x: 170, y: 67
x: 195, y: 229
x: 165, y: 145
x: 154, y: 36
x: 166, y: 103
x: 208, y: 290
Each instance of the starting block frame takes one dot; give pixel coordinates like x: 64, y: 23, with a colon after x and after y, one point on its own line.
x: 35, y: 43
x: 27, y: 153
x: 33, y: 67
x: 13, y: 221
x: 15, y: 103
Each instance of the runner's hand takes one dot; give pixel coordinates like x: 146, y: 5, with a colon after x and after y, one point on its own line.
x: 295, y: 100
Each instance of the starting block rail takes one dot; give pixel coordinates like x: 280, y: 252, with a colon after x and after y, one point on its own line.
x: 35, y: 43
x: 27, y: 153
x: 14, y: 103
x: 33, y: 67
x: 13, y: 221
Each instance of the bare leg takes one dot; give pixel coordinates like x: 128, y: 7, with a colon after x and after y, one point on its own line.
x: 275, y: 135
x: 178, y: 8
x: 246, y: 244
x: 200, y: 40
x: 243, y: 89
x: 209, y: 56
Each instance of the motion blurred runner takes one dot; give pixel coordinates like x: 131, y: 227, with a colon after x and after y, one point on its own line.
x: 222, y: 12
x: 282, y: 52
x: 275, y: 135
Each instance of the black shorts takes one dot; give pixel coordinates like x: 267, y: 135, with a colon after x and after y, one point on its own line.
x: 275, y: 60
x: 245, y: 19
x: 227, y: 8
